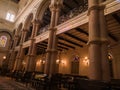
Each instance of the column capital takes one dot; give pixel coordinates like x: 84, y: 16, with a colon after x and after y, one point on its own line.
x: 16, y: 36
x: 96, y: 7
x: 50, y: 29
x: 31, y: 55
x: 24, y: 30
x: 36, y: 22
x: 98, y: 41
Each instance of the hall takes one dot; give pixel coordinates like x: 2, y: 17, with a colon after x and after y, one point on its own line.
x: 56, y: 44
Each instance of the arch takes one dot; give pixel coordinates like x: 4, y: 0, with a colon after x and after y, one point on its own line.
x: 41, y: 9
x: 28, y: 21
x: 6, y: 31
x: 18, y: 31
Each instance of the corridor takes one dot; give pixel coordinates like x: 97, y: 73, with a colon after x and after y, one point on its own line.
x: 9, y: 84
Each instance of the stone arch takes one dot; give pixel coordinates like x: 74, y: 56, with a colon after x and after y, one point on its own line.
x: 6, y: 31
x: 9, y: 36
x: 41, y: 9
x: 28, y: 21
x: 28, y: 25
x: 18, y: 31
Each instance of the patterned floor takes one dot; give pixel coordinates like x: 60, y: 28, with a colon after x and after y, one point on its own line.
x: 9, y: 84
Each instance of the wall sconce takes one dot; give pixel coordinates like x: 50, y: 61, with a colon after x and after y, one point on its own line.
x: 86, y: 61
x: 4, y: 57
x: 43, y: 62
x: 40, y: 62
x: 63, y: 62
x: 57, y: 61
x: 23, y: 63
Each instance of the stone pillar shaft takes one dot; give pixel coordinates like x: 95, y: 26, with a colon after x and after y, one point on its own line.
x: 52, y: 41
x: 104, y: 48
x: 32, y: 49
x: 97, y: 42
x: 19, y: 59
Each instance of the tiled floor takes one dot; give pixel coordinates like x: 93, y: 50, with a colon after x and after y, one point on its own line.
x: 9, y: 84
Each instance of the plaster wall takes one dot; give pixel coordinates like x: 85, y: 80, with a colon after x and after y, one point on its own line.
x: 5, y: 7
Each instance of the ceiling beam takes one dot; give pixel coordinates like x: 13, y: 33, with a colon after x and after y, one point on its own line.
x: 72, y: 36
x: 63, y: 47
x: 84, y: 32
x: 81, y: 31
x: 42, y: 44
x: 66, y: 45
x: 113, y: 37
x: 69, y: 41
x: 116, y: 17
x: 61, y: 44
x: 45, y: 45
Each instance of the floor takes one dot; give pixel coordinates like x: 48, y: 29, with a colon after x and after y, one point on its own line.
x: 9, y: 84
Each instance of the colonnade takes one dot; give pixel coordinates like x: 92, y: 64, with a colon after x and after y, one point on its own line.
x: 98, y: 69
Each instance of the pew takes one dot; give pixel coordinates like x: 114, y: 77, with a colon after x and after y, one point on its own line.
x: 115, y: 84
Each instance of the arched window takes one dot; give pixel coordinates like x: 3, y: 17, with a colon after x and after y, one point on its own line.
x: 3, y: 41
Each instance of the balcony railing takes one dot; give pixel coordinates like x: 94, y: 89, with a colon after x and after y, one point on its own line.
x: 74, y: 12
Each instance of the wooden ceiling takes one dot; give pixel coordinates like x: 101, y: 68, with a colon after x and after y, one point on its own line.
x: 67, y: 7
x: 78, y: 37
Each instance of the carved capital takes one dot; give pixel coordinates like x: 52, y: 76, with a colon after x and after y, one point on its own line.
x: 36, y: 22
x: 52, y: 29
x: 16, y: 36
x: 96, y: 7
x: 25, y: 30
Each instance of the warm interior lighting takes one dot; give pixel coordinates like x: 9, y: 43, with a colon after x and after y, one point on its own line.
x: 23, y: 63
x: 86, y: 61
x: 4, y: 57
x: 43, y: 62
x: 63, y: 62
x: 57, y: 61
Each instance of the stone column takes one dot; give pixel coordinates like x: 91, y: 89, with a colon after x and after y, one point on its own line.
x: 95, y: 70
x: 15, y: 41
x: 37, y: 25
x: 12, y: 56
x: 32, y: 49
x: 24, y: 36
x: 52, y: 41
x: 99, y: 69
x: 104, y: 44
x: 11, y: 60
x: 19, y: 58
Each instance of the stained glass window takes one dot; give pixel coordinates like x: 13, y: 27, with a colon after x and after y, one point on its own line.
x: 3, y: 41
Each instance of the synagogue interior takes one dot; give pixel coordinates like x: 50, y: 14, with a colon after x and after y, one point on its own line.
x: 59, y: 44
